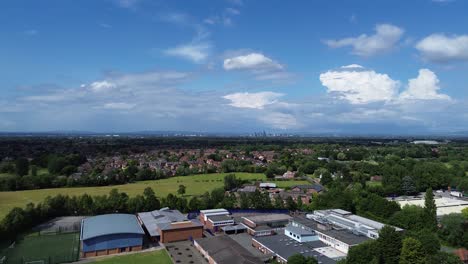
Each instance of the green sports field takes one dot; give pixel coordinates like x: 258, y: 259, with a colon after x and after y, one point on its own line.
x: 47, y: 249
x: 196, y: 185
x: 153, y: 257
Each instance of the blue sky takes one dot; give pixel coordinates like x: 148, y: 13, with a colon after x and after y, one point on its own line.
x: 234, y: 66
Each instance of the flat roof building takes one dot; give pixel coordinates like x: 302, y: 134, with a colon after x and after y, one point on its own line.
x: 224, y: 250
x: 337, y: 228
x: 216, y: 219
x: 283, y: 247
x: 110, y: 234
x: 445, y: 204
x: 265, y: 224
x: 166, y: 225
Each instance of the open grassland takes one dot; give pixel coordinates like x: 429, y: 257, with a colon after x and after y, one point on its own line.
x: 159, y: 257
x: 195, y: 184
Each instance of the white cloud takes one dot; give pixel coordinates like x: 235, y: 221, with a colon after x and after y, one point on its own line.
x: 253, y: 100
x: 252, y: 61
x: 101, y: 86
x: 424, y: 87
x: 359, y: 86
x: 352, y: 66
x: 118, y: 106
x: 385, y: 39
x: 196, y: 52
x: 442, y: 48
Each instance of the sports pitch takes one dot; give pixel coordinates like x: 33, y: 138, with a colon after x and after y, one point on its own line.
x: 44, y: 249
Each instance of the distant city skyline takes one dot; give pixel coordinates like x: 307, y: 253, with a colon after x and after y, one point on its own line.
x: 234, y: 66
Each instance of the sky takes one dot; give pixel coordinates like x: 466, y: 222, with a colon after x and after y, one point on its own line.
x: 324, y: 66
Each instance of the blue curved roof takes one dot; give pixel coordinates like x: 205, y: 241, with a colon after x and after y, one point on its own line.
x: 110, y: 224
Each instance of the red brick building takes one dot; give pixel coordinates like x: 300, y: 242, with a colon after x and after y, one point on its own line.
x: 167, y: 225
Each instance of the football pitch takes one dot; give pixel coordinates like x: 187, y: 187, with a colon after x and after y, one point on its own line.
x: 44, y: 249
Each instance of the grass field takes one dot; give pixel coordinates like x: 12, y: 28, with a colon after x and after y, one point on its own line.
x: 153, y: 257
x: 373, y: 184
x: 50, y: 248
x: 196, y: 185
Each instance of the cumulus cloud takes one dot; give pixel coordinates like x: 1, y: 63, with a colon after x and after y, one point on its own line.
x: 252, y: 61
x: 385, y: 39
x: 253, y: 100
x: 359, y: 86
x: 442, y: 48
x: 424, y: 87
x: 196, y: 52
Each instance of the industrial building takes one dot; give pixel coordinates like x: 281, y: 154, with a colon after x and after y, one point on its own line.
x: 110, y: 234
x: 265, y: 224
x: 166, y: 225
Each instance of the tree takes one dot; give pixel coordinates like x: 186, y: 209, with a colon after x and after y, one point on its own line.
x: 151, y: 202
x: 22, y: 166
x: 412, y: 252
x: 278, y: 203
x: 407, y: 185
x: 290, y: 204
x: 389, y: 244
x: 341, y: 156
x: 231, y: 182
x: 34, y: 170
x: 194, y: 204
x: 430, y: 209
x: 429, y: 241
x: 465, y: 213
x: 300, y: 259
x: 244, y: 201
x: 363, y: 253
x: 324, y: 175
x: 181, y: 189
x: 453, y: 229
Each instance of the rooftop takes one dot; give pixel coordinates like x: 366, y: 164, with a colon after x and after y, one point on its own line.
x: 220, y: 218
x: 266, y: 218
x: 341, y: 235
x: 220, y: 210
x: 226, y: 250
x: 286, y: 247
x: 110, y: 224
x: 164, y: 219
x: 316, y: 187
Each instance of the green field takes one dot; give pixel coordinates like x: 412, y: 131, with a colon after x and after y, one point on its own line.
x: 153, y: 257
x: 49, y: 248
x: 373, y: 183
x: 196, y: 185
